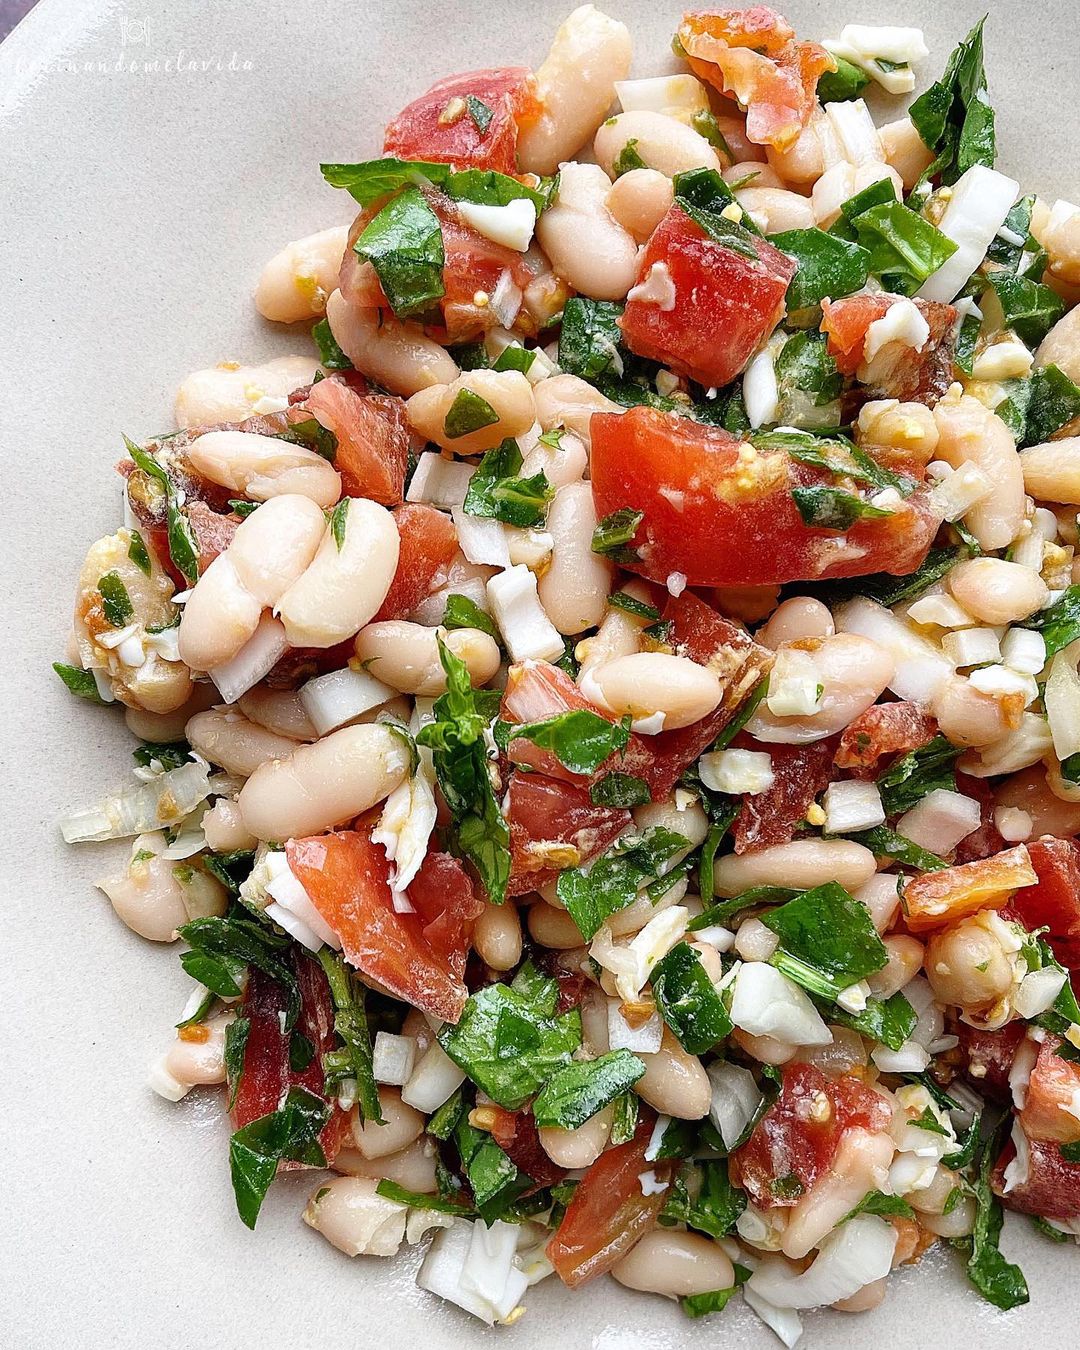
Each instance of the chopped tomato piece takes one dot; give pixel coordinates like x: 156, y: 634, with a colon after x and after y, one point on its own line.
x: 722, y: 513
x: 1052, y: 1104
x: 884, y: 729
x: 751, y: 55
x: 553, y: 825
x: 987, y: 839
x: 443, y: 896
x: 800, y: 772
x: 211, y: 531
x: 726, y: 304
x: 608, y: 1212
x: 473, y: 264
x: 266, y: 1075
x: 922, y: 375
x: 347, y: 878
x: 799, y: 1134
x: 952, y: 893
x: 440, y: 124
x: 516, y: 1134
x: 372, y: 434
x: 989, y: 1056
x: 1054, y: 901
x: 427, y: 545
x: 1051, y: 1187
x: 536, y: 691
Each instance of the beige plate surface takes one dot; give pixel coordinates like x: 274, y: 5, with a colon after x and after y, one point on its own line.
x: 153, y: 157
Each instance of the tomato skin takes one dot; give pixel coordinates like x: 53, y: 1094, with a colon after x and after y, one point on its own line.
x: 427, y: 543
x: 884, y: 729
x: 266, y: 1075
x: 372, y: 439
x: 788, y: 1140
x: 608, y: 1212
x: 509, y: 94
x: 1052, y: 1188
x: 800, y: 772
x: 726, y: 304
x: 348, y: 880
x: 752, y: 54
x: 516, y: 1134
x: 723, y: 519
x: 937, y: 898
x: 988, y: 1057
x: 923, y: 375
x: 1054, y: 901
x: 443, y: 895
x: 550, y: 816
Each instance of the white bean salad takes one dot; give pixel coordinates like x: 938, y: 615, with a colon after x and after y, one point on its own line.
x: 610, y: 723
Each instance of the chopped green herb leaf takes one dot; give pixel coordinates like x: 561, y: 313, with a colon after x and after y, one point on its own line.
x: 1030, y: 308
x: 627, y: 159
x: 390, y: 1190
x: 221, y: 949
x: 830, y: 930
x: 330, y: 354
x: 515, y: 357
x: 638, y: 608
x: 904, y: 248
x: 877, y: 1202
x: 887, y: 843
x: 954, y: 116
x: 138, y: 553
x: 496, y: 493
x: 590, y: 337
x: 625, y: 1118
x: 461, y: 612
x: 115, y: 600
x: 379, y: 177
x: 830, y: 508
x: 236, y: 1038
x: 580, y: 740
x: 351, y: 1025
x: 339, y: 519
x: 918, y: 773
x: 574, y: 1094
x: 404, y: 244
x: 182, y: 548
x: 614, y: 535
x: 1039, y: 405
x: 480, y: 113
x: 999, y: 1281
x: 704, y: 1198
x: 846, y: 82
x: 80, y: 682
x: 292, y: 1133
x: 613, y: 881
x: 688, y: 1002
x: 468, y: 413
x: 704, y: 196
x: 620, y: 789
x: 828, y: 267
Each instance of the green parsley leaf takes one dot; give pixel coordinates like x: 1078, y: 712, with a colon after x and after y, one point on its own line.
x: 339, y: 519
x: 1059, y: 623
x: 613, y: 881
x: 115, y: 600
x: 703, y: 1197
x: 954, y: 116
x: 705, y: 124
x: 182, y: 549
x: 625, y: 1118
x: 351, y: 1025
x: 590, y: 337
x: 877, y: 1202
x: 330, y: 354
x: 461, y: 612
x: 828, y: 267
x: 292, y: 1132
x: 628, y: 158
x: 456, y: 739
x: 497, y: 493
x: 807, y: 379
x: 390, y: 1190
x: 404, y: 244
x: 918, y: 773
x: 704, y: 195
x: 614, y: 535
x: 480, y: 113
x: 168, y: 756
x: 887, y: 843
x: 832, y: 931
x: 1030, y: 308
x: 904, y: 248
x: 443, y: 1121
x: 515, y: 357
x: 890, y: 1021
x: 580, y: 740
x: 833, y: 453
x: 221, y: 948
x: 620, y: 789
x: 831, y: 508
x: 494, y: 1179
x: 629, y: 605
x: 139, y: 554
x: 574, y: 1094
x: 846, y: 82
x: 80, y: 682
x: 999, y: 1281
x: 1039, y: 405
x: 229, y: 868
x: 468, y: 412
x: 377, y: 178
x: 726, y: 910
x: 688, y: 1002
x: 508, y: 1041
x: 236, y: 1039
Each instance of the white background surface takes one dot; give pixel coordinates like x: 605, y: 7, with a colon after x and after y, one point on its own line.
x: 137, y: 210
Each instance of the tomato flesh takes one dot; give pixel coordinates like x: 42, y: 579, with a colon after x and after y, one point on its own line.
x: 989, y: 1056
x: 1054, y: 901
x: 427, y: 545
x: 884, y: 729
x: 924, y: 375
x: 438, y: 125
x: 752, y: 55
x: 553, y: 825
x: 800, y: 772
x: 608, y: 1212
x: 1052, y: 1187
x: 797, y: 1136
x: 726, y: 304
x: 1052, y: 1096
x: 372, y: 434
x: 516, y: 1134
x: 415, y: 956
x: 725, y: 516
x: 937, y: 898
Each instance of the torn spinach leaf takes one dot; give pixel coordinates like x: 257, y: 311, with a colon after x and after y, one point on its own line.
x: 330, y: 354
x: 580, y: 740
x: 954, y: 117
x: 495, y: 491
x: 687, y: 1000
x: 469, y: 412
x: 887, y: 843
x: 404, y: 244
x: 831, y: 931
x: 289, y: 1133
x: 1030, y: 308
x: 828, y: 267
x: 222, y: 948
x: 999, y: 1281
x: 79, y: 682
x: 918, y: 773
x: 590, y: 336
x: 830, y: 508
x: 351, y: 1025
x: 461, y: 612
x: 703, y: 1197
x: 704, y: 196
x: 376, y: 178
x: 620, y: 789
x: 614, y: 535
x: 613, y: 880
x: 903, y: 247
x: 575, y: 1093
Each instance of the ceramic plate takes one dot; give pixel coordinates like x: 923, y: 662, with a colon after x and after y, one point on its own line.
x: 153, y: 157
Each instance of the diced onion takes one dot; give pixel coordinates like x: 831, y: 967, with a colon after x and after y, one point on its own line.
x: 959, y: 491
x: 256, y: 658
x: 734, y: 771
x: 921, y: 669
x: 851, y: 805
x: 1017, y: 750
x: 642, y: 1040
x: 940, y: 610
x: 971, y: 646
x: 439, y: 481
x: 481, y: 539
x: 1038, y: 991
x: 435, y: 1078
x: 736, y: 1098
x: 162, y: 802
x: 940, y: 820
x: 767, y: 1003
x: 784, y: 1322
x: 1061, y: 698
x: 472, y: 1265
x: 761, y: 393
x: 662, y: 94
x: 506, y: 298
x: 852, y: 1256
x: 529, y: 633
x: 393, y: 1058
x: 856, y: 132
x: 981, y: 199
x: 339, y: 697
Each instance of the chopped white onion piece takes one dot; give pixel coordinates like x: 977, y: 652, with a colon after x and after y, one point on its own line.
x: 641, y: 1040
x: 785, y: 1323
x: 1024, y: 650
x: 657, y: 1137
x: 662, y: 94
x: 851, y: 805
x: 339, y: 697
x: 767, y: 1003
x: 481, y: 539
x: 735, y: 771
x: 511, y: 225
x: 1018, y: 1168
x: 256, y: 658
x: 910, y: 1058
x: 941, y: 610
x: 1061, y: 698
x: 405, y: 826
x: 981, y: 199
x: 285, y: 887
x: 1037, y: 991
x: 1007, y: 360
x: 735, y: 1100
x: 856, y: 132
x: 959, y: 491
x: 161, y: 1081
x: 472, y: 1266
x: 999, y: 682
x: 761, y: 393
x: 852, y: 1256
x: 1025, y: 746
x: 506, y: 298
x: 1013, y: 824
x: 515, y: 604
x: 163, y: 801
x: 393, y: 1058
x: 435, y: 1078
x: 439, y: 481
x: 295, y: 927
x: 971, y: 646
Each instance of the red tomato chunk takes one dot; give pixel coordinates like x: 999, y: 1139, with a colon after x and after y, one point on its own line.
x: 726, y: 304
x: 1054, y: 903
x: 721, y: 513
x: 372, y: 439
x: 554, y: 824
x: 924, y: 375
x: 427, y: 545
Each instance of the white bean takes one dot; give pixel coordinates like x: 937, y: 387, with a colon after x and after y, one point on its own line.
x: 967, y: 965
x: 759, y: 175
x: 586, y: 244
x: 497, y: 936
x: 968, y: 432
x: 674, y: 1082
x: 279, y: 710
x: 348, y: 579
x: 663, y: 143
x: 562, y: 464
x: 813, y: 151
x: 905, y: 961
x: 197, y: 1055
x: 406, y: 655
x: 147, y: 896
x: 802, y: 864
x: 396, y: 354
x: 774, y: 210
x: 230, y: 392
x: 226, y: 738
x: 402, y: 1125
x: 905, y: 150
x: 959, y: 1222
x: 413, y: 1167
x: 268, y: 552
x: 576, y: 84
x: 224, y: 828
x: 861, y: 1165
x: 164, y: 728
x: 575, y: 588
x: 906, y: 427
x: 1061, y: 346
x: 639, y: 200
x: 580, y: 1147
x: 553, y: 927
x: 853, y: 671
x: 1052, y: 471
x: 618, y: 635
x: 355, y: 1219
x: 800, y: 617
x: 967, y: 716
x: 765, y: 1049
x: 260, y: 467
x: 568, y: 401
x: 689, y: 820
x: 675, y: 1265
x: 322, y: 785
x: 295, y: 283
x: 996, y: 591
x: 881, y: 898
x: 506, y: 392
x: 650, y: 683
